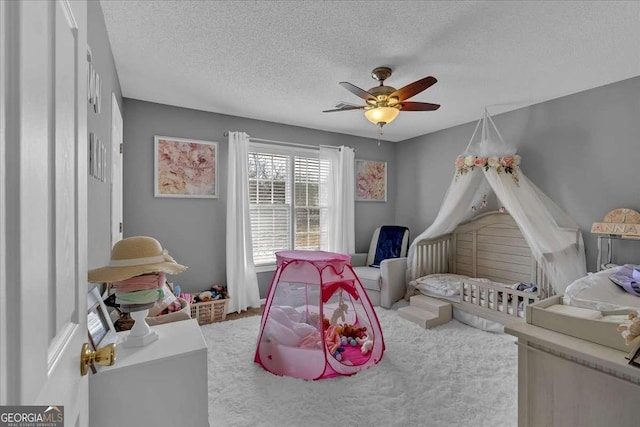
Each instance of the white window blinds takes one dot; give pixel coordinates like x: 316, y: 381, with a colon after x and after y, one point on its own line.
x: 270, y: 204
x: 284, y: 202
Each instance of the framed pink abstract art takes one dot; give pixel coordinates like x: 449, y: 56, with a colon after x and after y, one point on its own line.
x: 185, y: 168
x: 371, y: 181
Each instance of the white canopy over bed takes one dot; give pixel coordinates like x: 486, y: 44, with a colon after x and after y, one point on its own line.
x: 491, y: 166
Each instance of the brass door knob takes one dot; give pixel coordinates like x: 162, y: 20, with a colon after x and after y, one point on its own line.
x: 105, y: 356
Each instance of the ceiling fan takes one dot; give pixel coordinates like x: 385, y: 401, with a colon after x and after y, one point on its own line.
x: 384, y: 103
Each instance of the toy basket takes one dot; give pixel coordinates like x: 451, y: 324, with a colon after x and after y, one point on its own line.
x: 209, y: 311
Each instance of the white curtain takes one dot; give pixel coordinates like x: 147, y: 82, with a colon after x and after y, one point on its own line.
x: 242, y: 283
x: 337, y: 218
x: 548, y: 230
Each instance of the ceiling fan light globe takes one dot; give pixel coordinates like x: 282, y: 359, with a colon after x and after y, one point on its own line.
x: 381, y: 115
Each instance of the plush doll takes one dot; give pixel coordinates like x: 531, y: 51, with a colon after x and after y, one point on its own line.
x: 216, y: 292
x: 332, y: 338
x: 339, y: 312
x: 351, y: 331
x: 630, y: 328
x: 325, y: 323
x: 205, y: 296
x: 366, y: 344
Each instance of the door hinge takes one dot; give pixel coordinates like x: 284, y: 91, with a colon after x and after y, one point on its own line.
x: 121, y: 227
x: 121, y: 148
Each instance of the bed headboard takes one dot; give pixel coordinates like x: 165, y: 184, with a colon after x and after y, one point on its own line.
x: 490, y: 245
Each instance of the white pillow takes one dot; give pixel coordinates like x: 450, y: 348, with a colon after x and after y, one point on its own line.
x: 597, y: 292
x: 441, y: 284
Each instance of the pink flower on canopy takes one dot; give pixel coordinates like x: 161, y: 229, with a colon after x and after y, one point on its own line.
x: 459, y: 162
x: 480, y: 161
x: 506, y: 161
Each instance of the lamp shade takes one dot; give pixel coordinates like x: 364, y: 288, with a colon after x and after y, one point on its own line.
x: 381, y: 115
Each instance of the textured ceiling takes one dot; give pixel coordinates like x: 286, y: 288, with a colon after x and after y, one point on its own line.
x: 281, y: 61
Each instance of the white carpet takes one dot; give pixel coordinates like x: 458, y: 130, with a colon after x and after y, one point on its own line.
x: 453, y: 375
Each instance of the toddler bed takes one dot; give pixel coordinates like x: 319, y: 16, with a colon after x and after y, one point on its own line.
x: 484, y: 268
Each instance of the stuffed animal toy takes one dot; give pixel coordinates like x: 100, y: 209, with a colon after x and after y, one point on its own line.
x: 332, y: 338
x: 366, y: 344
x: 216, y: 292
x: 630, y: 328
x: 205, y: 296
x: 339, y: 312
x: 219, y: 292
x: 351, y: 331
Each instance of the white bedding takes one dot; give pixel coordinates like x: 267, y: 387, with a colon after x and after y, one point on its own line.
x: 597, y: 292
x: 447, y: 286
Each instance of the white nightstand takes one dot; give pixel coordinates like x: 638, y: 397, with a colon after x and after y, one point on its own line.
x: 161, y: 384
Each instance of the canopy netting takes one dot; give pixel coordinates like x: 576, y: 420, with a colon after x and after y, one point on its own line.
x: 489, y: 165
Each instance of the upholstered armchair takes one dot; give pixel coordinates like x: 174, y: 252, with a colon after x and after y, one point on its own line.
x: 382, y: 270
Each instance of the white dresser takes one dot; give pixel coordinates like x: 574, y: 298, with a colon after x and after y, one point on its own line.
x: 161, y: 384
x: 565, y: 381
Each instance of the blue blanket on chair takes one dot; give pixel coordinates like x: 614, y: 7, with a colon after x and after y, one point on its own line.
x: 389, y: 243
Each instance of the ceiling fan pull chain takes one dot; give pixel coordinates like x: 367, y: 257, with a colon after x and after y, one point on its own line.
x: 380, y: 134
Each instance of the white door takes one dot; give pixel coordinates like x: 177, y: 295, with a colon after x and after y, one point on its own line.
x: 116, y: 171
x: 43, y: 205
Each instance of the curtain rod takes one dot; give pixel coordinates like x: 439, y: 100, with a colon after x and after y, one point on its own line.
x: 294, y: 144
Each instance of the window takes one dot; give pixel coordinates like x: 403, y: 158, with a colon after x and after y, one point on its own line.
x: 284, y: 199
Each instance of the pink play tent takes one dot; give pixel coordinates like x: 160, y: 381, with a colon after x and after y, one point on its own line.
x: 318, y: 321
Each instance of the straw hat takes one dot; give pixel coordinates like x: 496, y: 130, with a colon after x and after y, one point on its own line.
x: 135, y: 256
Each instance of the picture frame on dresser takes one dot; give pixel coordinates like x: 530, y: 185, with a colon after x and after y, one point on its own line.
x: 100, y: 328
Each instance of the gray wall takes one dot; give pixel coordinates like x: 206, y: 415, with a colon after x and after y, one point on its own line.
x: 193, y: 230
x: 99, y: 198
x: 582, y: 150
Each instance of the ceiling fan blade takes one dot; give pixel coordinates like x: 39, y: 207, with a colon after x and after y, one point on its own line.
x: 347, y: 108
x: 346, y: 104
x: 357, y: 91
x: 413, y: 89
x: 418, y: 106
